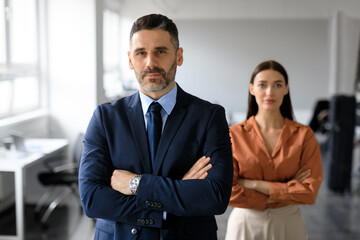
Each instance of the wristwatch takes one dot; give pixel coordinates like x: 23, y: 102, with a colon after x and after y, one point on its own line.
x: 134, y: 184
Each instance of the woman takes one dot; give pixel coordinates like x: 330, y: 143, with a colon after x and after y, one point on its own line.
x: 277, y: 163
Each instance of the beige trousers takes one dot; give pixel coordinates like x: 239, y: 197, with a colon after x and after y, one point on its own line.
x: 285, y: 223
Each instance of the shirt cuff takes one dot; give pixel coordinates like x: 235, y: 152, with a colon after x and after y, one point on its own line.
x: 278, y: 191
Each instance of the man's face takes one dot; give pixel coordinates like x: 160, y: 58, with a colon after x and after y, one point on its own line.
x: 154, y: 60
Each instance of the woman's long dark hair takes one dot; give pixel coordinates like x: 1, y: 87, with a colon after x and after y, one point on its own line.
x: 286, y: 107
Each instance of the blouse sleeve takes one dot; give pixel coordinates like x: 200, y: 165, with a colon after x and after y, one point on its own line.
x: 294, y: 192
x: 244, y: 197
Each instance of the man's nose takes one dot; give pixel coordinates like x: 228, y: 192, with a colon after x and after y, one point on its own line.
x: 150, y: 61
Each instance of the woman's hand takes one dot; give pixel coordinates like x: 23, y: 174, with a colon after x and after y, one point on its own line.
x: 257, y: 185
x: 250, y: 184
x: 199, y: 170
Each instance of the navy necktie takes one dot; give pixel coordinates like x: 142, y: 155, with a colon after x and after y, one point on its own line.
x: 154, y: 128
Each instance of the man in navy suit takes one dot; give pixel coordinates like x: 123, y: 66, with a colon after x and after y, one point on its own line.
x: 176, y: 196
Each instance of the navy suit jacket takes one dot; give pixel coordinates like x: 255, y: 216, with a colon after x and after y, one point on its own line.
x: 116, y: 139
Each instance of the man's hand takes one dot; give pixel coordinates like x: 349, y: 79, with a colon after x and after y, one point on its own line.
x: 199, y: 170
x: 120, y: 181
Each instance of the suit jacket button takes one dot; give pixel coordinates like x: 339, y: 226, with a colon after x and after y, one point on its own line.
x: 151, y: 222
x: 147, y: 221
x: 159, y: 205
x: 147, y: 203
x: 139, y: 220
x: 134, y: 231
x: 142, y: 221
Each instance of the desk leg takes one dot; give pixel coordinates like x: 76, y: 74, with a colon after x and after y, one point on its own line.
x: 19, y: 204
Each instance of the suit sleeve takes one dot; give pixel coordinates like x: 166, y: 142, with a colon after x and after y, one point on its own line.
x: 195, y: 197
x: 98, y: 198
x: 295, y: 192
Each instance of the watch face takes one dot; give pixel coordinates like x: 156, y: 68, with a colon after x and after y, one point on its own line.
x: 134, y: 181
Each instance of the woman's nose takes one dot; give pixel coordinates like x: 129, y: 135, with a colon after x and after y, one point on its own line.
x: 269, y: 91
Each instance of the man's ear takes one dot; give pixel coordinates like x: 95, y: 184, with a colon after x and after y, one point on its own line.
x: 131, y: 66
x: 179, y: 56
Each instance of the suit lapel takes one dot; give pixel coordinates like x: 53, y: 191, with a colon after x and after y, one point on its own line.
x: 137, y: 125
x: 172, y: 126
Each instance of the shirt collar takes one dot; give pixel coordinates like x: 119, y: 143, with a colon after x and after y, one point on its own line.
x: 167, y: 101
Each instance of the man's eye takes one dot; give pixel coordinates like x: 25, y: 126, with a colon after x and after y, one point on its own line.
x: 261, y: 85
x: 140, y: 53
x: 278, y: 85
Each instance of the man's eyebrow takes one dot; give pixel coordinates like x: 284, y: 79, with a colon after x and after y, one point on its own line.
x: 161, y: 48
x: 139, y: 49
x: 156, y: 48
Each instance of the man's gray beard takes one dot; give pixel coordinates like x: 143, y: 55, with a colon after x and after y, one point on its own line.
x: 165, y: 85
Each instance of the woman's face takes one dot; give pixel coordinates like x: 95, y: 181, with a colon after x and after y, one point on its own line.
x: 269, y: 89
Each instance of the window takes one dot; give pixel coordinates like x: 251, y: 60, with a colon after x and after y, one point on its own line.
x: 116, y: 79
x: 111, y: 53
x: 19, y: 57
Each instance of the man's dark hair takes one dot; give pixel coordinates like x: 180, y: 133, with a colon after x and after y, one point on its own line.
x: 156, y: 21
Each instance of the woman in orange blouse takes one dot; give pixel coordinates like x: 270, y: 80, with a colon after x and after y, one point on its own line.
x: 277, y: 163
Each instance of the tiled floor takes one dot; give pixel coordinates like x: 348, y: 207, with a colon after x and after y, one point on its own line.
x: 333, y: 217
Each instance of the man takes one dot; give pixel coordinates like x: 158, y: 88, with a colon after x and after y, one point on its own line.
x: 137, y: 191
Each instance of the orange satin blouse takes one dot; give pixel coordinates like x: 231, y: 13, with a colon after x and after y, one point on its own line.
x: 296, y: 148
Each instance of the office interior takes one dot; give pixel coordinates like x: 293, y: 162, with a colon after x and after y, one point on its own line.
x: 59, y: 59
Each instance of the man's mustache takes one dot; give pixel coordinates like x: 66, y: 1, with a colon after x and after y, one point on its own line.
x: 153, y: 70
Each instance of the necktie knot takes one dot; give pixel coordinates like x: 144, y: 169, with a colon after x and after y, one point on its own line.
x: 155, y: 107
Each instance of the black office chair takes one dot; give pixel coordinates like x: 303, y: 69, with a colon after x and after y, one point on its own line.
x: 59, y: 176
x: 319, y: 121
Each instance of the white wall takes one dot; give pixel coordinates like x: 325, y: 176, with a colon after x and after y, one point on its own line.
x: 72, y: 65
x: 223, y: 41
x: 220, y: 55
x: 299, y: 34
x: 241, y: 9
x: 348, y: 47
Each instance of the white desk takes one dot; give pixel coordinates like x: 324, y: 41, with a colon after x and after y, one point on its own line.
x: 16, y: 162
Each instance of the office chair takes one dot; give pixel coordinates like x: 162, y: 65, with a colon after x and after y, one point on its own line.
x: 319, y: 121
x: 355, y: 172
x: 59, y: 176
